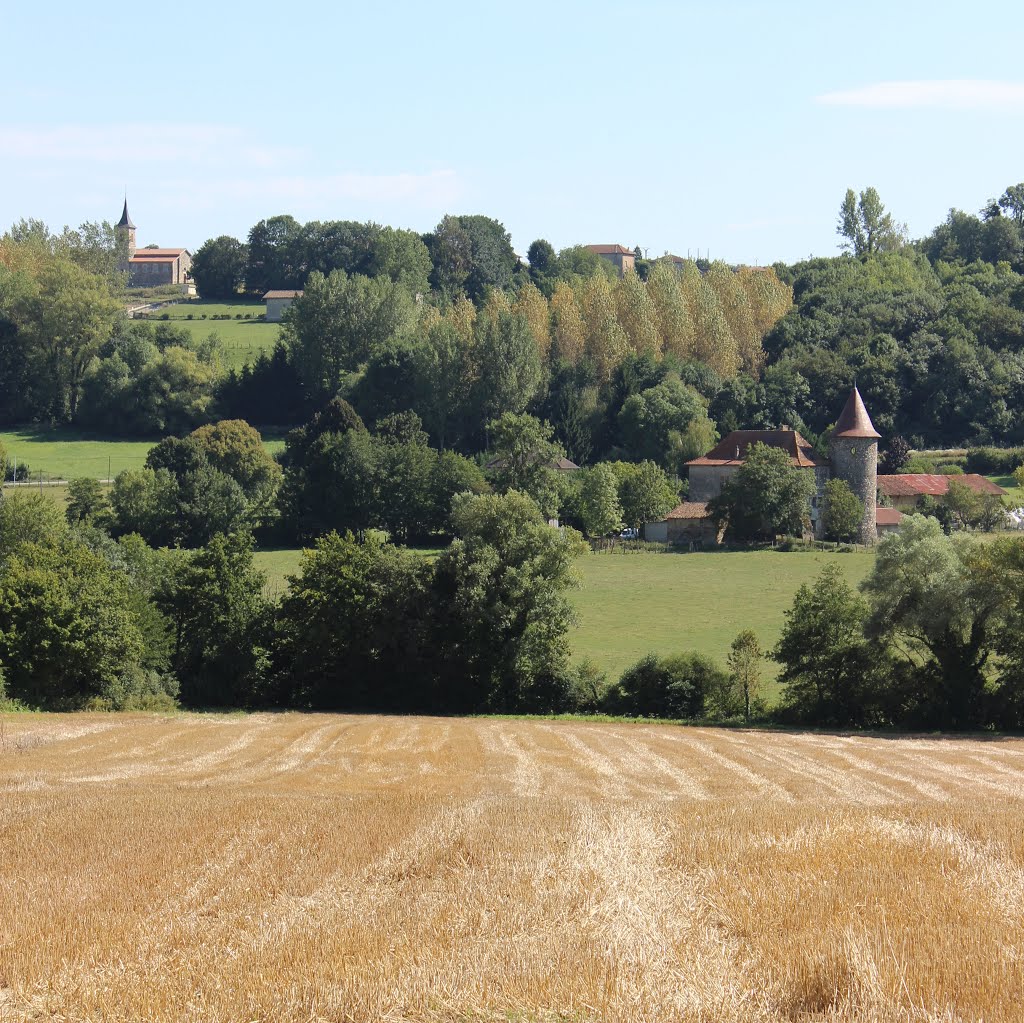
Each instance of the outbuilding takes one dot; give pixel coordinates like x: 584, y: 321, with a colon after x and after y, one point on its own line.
x: 277, y: 302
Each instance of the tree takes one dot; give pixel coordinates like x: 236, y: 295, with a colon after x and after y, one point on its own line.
x: 745, y: 670
x: 637, y: 314
x: 28, y: 518
x: 1009, y: 204
x: 507, y: 363
x: 646, y: 492
x: 402, y: 257
x: 501, y: 612
x: 219, y: 620
x: 352, y: 627
x: 675, y: 322
x: 667, y: 687
x: 218, y: 267
x: 66, y: 321
x: 896, y: 455
x: 765, y: 496
x: 236, y: 449
x: 67, y: 631
x: 962, y: 503
x: 443, y: 365
x: 524, y: 459
x: 866, y: 226
x: 935, y: 599
x: 829, y: 672
x: 599, y: 506
x: 338, y: 322
x: 87, y: 503
x: 843, y: 511
x: 667, y: 423
x: 271, y: 248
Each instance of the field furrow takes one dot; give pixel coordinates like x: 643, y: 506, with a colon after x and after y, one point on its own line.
x: 294, y: 867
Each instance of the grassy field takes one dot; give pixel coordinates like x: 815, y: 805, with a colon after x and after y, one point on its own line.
x: 1009, y: 484
x: 243, y: 339
x: 636, y: 603
x: 298, y: 867
x: 66, y: 453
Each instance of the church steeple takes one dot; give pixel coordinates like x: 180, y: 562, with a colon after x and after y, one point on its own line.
x: 125, y: 220
x: 126, y: 229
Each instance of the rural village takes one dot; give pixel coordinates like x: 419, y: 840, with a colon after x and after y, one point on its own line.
x: 430, y: 616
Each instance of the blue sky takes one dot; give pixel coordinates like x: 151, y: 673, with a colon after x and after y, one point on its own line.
x: 733, y: 127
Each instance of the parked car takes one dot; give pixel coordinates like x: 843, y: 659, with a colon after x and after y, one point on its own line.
x: 629, y: 534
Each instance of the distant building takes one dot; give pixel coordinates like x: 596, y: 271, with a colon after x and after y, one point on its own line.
x: 852, y: 457
x: 905, y: 490
x: 619, y: 256
x: 277, y: 302
x: 687, y: 523
x: 151, y: 267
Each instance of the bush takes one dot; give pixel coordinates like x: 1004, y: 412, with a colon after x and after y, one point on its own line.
x: 949, y: 470
x: 669, y: 687
x: 919, y: 463
x: 994, y: 461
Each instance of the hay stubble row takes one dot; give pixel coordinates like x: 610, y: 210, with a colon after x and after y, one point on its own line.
x: 299, y: 867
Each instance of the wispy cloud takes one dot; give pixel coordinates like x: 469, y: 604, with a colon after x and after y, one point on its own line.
x: 313, y: 190
x: 130, y: 143
x: 940, y: 94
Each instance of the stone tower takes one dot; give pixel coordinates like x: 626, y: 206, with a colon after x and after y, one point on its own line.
x: 124, y: 228
x: 853, y: 451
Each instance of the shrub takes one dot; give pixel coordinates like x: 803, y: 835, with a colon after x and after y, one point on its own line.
x: 994, y: 461
x: 669, y: 687
x: 949, y: 470
x: 919, y: 463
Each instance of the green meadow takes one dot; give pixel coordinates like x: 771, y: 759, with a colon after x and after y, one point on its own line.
x: 637, y: 603
x: 243, y: 340
x: 65, y: 453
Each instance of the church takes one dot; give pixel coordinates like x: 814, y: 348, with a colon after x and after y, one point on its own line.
x: 151, y: 267
x: 852, y: 456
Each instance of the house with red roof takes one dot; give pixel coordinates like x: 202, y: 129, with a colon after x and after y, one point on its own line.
x: 619, y: 256
x: 852, y: 456
x: 905, y: 490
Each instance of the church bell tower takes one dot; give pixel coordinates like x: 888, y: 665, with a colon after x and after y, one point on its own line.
x: 125, y: 229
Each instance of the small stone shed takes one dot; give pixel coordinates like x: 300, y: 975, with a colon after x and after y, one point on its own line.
x: 687, y: 523
x: 277, y: 302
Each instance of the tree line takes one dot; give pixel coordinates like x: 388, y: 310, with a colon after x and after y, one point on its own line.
x: 932, y: 640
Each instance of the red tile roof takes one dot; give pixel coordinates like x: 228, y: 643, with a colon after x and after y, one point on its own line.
x: 689, y: 510
x: 888, y: 517
x: 854, y: 420
x: 732, y: 450
x: 282, y: 294
x: 156, y: 255
x: 610, y: 250
x: 916, y: 484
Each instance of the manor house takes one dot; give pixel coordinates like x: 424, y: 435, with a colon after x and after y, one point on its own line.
x: 853, y: 457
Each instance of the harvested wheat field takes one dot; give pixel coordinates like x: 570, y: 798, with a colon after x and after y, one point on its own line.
x: 298, y: 868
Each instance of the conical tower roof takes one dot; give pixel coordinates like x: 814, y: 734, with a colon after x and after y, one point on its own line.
x: 125, y: 220
x: 854, y: 420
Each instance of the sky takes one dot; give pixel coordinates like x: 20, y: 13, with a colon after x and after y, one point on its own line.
x: 729, y: 129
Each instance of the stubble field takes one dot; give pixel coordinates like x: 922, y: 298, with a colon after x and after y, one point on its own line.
x: 300, y: 867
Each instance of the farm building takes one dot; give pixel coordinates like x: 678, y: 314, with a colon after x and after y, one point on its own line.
x: 151, y: 267
x: 687, y: 523
x: 277, y: 302
x: 903, y: 491
x: 887, y: 520
x: 619, y: 256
